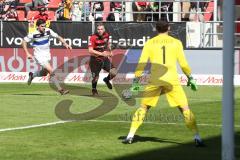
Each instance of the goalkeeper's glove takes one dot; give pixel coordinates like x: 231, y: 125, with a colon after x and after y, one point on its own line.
x: 192, y: 83
x: 135, y: 85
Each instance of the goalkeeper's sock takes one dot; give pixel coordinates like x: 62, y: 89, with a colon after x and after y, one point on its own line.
x: 190, y: 120
x: 137, y: 120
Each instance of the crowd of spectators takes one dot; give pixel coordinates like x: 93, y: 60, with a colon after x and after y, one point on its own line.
x: 8, y: 10
x: 80, y: 10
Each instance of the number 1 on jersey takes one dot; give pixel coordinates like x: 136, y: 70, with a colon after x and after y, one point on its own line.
x: 164, y: 54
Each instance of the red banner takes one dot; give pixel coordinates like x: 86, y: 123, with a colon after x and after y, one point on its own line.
x: 74, y: 61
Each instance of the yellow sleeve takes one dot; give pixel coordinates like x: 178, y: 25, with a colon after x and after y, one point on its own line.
x: 182, y: 60
x: 142, y: 60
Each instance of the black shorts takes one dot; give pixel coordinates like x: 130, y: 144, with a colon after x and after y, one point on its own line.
x: 98, y: 63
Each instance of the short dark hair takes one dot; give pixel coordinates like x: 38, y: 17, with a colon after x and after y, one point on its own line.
x: 100, y: 24
x: 162, y: 26
x: 40, y: 21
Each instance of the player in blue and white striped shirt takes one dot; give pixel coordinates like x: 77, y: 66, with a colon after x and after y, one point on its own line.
x: 40, y: 40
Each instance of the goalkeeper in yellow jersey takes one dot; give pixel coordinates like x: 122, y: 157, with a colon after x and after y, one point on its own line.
x: 163, y: 52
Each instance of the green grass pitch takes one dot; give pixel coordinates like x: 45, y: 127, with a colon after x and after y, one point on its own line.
x: 163, y: 135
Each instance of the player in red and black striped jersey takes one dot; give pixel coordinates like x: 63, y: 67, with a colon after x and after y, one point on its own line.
x: 100, y: 50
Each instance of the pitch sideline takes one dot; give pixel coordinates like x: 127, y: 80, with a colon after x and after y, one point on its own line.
x: 104, y: 121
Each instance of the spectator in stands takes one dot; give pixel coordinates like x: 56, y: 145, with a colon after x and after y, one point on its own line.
x: 5, y: 6
x: 166, y: 7
x: 220, y: 10
x: 59, y: 12
x: 185, y: 9
x: 63, y: 13
x: 96, y: 11
x: 116, y: 9
x: 42, y: 14
x: 140, y: 7
x: 195, y: 8
x: 154, y: 9
x: 76, y: 10
x: 2, y: 11
x: 86, y: 10
x: 67, y: 9
x: 201, y: 5
x: 11, y: 14
x: 10, y: 4
x: 35, y: 4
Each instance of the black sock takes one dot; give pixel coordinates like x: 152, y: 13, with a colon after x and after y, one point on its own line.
x: 94, y: 85
x: 108, y: 77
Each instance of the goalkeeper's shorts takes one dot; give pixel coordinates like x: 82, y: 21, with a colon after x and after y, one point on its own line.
x: 176, y: 96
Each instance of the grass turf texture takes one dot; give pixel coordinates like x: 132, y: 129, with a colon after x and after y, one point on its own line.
x: 23, y: 105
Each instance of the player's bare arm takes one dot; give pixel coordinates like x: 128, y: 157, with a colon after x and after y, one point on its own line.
x: 24, y: 45
x: 64, y: 43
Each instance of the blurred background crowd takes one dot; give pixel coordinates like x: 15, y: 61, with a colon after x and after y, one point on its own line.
x: 79, y: 10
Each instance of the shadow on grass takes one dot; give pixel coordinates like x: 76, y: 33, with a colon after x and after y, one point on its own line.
x: 185, y: 151
x: 138, y: 138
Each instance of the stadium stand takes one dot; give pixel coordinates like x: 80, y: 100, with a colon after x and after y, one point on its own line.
x: 21, y: 15
x: 31, y: 14
x: 151, y: 13
x: 107, y: 11
x: 51, y: 15
x: 54, y: 4
x: 25, y: 1
x: 210, y: 8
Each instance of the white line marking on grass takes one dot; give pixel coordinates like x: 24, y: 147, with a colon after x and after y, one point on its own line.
x: 200, y: 124
x: 33, y: 126
x: 103, y: 121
